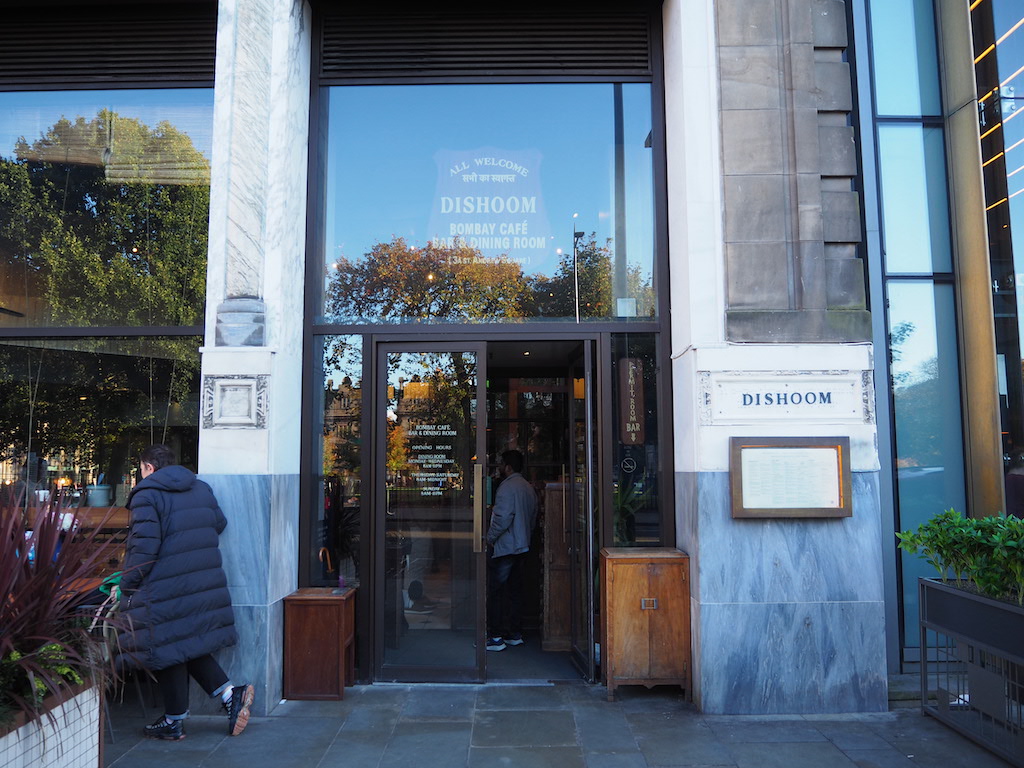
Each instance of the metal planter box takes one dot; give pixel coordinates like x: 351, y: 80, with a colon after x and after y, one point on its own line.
x: 972, y: 668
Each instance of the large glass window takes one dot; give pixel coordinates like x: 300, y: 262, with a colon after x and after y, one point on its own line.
x: 337, y: 521
x: 903, y: 37
x: 913, y: 175
x: 488, y: 203
x: 76, y: 413
x: 636, y: 463
x: 926, y: 405
x: 999, y: 67
x: 104, y: 209
x: 104, y: 206
x: 917, y: 281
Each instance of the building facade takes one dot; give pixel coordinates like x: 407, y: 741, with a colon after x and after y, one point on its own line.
x: 721, y: 269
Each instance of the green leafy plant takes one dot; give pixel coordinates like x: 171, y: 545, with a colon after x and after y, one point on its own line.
x: 986, y: 552
x: 47, y: 567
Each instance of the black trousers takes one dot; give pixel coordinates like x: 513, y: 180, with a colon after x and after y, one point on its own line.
x: 173, y: 682
x: 505, y: 595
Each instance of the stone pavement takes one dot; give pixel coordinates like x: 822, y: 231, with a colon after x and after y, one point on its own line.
x: 539, y: 726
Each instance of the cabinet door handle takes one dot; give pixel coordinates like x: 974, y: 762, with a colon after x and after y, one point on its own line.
x: 648, y: 603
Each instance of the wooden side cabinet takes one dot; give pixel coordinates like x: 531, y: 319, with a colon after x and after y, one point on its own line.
x: 319, y: 650
x: 645, y: 617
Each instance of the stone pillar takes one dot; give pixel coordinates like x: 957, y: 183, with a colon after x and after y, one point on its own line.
x: 787, y: 614
x: 252, y: 364
x: 792, y: 215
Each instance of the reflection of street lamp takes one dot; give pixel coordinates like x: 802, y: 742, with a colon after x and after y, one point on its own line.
x: 575, y: 265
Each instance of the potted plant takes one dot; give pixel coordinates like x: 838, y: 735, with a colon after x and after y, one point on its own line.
x: 52, y: 659
x: 972, y: 622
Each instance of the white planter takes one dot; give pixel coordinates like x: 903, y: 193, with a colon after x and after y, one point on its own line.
x: 70, y: 740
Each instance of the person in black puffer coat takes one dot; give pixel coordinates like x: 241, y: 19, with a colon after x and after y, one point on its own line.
x: 174, y: 594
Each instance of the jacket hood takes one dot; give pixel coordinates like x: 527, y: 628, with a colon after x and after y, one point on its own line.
x: 172, y: 478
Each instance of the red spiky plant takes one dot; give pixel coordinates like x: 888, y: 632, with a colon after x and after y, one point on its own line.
x: 48, y: 641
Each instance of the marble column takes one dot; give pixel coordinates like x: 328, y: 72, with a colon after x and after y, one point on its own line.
x: 252, y: 363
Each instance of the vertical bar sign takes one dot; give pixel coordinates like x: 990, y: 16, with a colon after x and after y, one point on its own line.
x: 631, y: 400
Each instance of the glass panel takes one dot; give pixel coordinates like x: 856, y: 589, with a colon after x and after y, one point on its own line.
x: 337, y: 523
x: 75, y: 414
x: 430, y: 602
x: 903, y: 40
x: 915, y: 207
x: 488, y: 203
x: 104, y: 204
x: 635, y: 460
x: 929, y: 430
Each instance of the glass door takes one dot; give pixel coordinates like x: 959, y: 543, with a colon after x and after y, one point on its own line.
x: 584, y: 511
x: 430, y: 457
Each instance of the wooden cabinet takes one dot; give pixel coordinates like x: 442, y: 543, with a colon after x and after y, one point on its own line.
x: 645, y: 617
x: 319, y: 649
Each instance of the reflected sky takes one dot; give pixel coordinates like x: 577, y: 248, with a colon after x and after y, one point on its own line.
x: 31, y: 114
x: 487, y: 162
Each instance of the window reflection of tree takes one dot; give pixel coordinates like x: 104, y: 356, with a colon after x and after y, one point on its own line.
x: 398, y: 282
x: 103, y: 221
x: 91, y: 405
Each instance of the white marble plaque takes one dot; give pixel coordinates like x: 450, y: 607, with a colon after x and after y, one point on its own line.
x: 751, y: 397
x: 235, y: 401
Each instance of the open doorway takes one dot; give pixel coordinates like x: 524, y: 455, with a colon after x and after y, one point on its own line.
x: 536, y: 394
x: 448, y: 411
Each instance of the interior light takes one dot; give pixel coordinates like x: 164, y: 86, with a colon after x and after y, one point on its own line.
x: 526, y: 354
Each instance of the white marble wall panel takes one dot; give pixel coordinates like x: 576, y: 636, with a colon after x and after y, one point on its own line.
x: 260, y: 544
x: 788, y: 615
x: 789, y: 560
x: 256, y: 659
x: 260, y: 550
x: 283, y: 547
x: 792, y: 658
x: 245, y: 543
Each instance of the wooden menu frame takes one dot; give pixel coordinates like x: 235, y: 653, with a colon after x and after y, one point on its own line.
x: 801, y: 477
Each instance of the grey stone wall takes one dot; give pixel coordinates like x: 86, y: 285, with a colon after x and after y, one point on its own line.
x: 791, y: 213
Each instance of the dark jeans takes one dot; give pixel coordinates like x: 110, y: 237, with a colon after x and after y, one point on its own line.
x: 173, y: 682
x: 505, y: 595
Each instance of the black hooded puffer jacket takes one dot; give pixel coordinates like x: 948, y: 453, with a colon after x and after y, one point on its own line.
x: 174, y: 594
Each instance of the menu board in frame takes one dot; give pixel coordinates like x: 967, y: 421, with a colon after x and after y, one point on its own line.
x: 790, y: 477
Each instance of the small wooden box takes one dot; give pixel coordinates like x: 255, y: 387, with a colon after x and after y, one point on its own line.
x: 645, y: 617
x: 319, y: 643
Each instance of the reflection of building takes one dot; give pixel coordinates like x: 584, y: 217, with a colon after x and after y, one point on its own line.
x: 777, y: 186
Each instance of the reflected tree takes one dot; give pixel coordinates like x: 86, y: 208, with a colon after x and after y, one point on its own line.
x: 399, y: 282
x: 105, y: 223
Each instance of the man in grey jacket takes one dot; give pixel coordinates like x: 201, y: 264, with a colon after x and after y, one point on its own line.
x: 512, y: 520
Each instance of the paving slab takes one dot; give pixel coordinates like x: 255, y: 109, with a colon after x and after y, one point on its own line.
x: 427, y: 745
x: 528, y: 757
x: 532, y: 697
x: 513, y: 728
x: 539, y: 726
x: 440, y: 704
x: 789, y: 755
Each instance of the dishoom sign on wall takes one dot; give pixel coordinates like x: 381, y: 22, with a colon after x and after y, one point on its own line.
x: 490, y: 199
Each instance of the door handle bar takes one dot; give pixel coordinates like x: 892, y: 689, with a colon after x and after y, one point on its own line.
x: 478, y: 507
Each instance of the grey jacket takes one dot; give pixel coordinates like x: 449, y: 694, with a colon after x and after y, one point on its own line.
x: 513, y: 516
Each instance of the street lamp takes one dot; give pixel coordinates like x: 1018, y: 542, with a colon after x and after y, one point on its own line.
x: 575, y: 264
